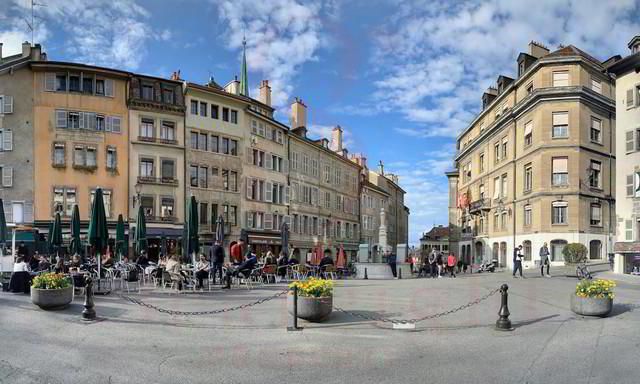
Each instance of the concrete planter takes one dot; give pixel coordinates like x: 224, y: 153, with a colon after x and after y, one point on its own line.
x: 52, y: 298
x: 589, y: 306
x: 315, y: 309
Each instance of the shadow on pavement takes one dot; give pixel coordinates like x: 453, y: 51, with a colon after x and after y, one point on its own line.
x: 524, y: 323
x: 619, y: 309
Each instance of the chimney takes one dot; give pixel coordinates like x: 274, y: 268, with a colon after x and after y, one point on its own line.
x: 298, y: 114
x: 233, y: 86
x: 360, y: 160
x: 634, y: 44
x: 36, y: 52
x: 537, y: 50
x: 175, y: 75
x: 265, y: 93
x: 336, y: 139
x: 26, y: 49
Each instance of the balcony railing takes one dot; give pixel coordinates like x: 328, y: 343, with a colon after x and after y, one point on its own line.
x: 160, y: 219
x: 158, y: 180
x: 152, y: 139
x: 480, y: 205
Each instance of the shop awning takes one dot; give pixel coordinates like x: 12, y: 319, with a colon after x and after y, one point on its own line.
x: 163, y: 232
x: 265, y: 238
x: 627, y: 247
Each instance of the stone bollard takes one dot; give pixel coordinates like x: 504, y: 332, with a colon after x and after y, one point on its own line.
x: 88, y: 313
x: 503, y: 323
x: 365, y: 274
x: 293, y: 319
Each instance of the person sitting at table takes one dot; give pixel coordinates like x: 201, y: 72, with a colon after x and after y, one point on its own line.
x: 60, y: 267
x: 76, y: 262
x: 202, y: 270
x: 107, y: 260
x: 326, y: 260
x: 244, y: 268
x: 236, y: 252
x: 282, y: 263
x: 21, y: 276
x: 143, y: 260
x: 269, y: 259
x: 34, y: 261
x: 174, y: 268
x: 43, y: 264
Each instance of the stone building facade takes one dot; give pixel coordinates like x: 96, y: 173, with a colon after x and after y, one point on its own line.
x: 156, y: 158
x: 537, y: 164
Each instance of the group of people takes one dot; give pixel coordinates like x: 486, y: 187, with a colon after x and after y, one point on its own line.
x: 518, y: 259
x: 435, y: 265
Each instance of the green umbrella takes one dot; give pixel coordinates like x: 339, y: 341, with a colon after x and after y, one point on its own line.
x: 190, y: 241
x: 56, y: 233
x: 49, y: 238
x: 121, y: 248
x: 3, y: 229
x: 76, y: 242
x: 140, y: 234
x: 98, y: 233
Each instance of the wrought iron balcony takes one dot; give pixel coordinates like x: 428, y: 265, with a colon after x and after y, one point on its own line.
x: 157, y: 180
x: 476, y: 207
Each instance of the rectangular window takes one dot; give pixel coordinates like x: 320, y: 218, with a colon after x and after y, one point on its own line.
x: 78, y: 155
x: 225, y: 145
x: 204, y: 213
x: 147, y: 92
x: 214, y: 111
x: 503, y: 191
x: 481, y: 162
x: 560, y: 124
x: 61, y: 83
x: 496, y: 188
x: 595, y: 174
x: 74, y: 83
x: 87, y: 85
x: 203, y: 109
x: 234, y: 116
x: 100, y: 123
x: 628, y: 230
x: 213, y: 143
x: 100, y: 90
x: 596, y: 214
x: 58, y: 155
x: 193, y: 175
x: 559, y: 212
x: 167, y: 95
x: 561, y: 79
x: 630, y: 185
x: 530, y: 88
x: 504, y: 148
x: 203, y: 174
x: 147, y: 128
x: 73, y: 120
x: 225, y: 114
x: 560, y: 171
x: 194, y: 107
x: 233, y: 147
x: 528, y: 133
x: 146, y: 168
x: 166, y: 207
x: 596, y: 85
x: 528, y: 178
x: 194, y: 140
x: 112, y: 158
x: 596, y: 130
x: 106, y: 198
x: 168, y: 169
x: 527, y: 215
x: 496, y: 152
x: 147, y: 202
x: 202, y: 141
x: 168, y: 131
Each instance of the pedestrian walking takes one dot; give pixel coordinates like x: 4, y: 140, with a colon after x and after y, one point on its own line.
x: 440, y: 263
x: 216, y: 258
x: 451, y: 263
x: 517, y: 260
x: 433, y: 267
x: 391, y: 260
x: 544, y: 259
x: 611, y: 261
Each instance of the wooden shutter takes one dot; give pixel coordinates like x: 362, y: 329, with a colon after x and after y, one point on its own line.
x: 108, y: 123
x: 268, y: 221
x: 628, y: 138
x: 7, y: 176
x: 28, y: 212
x: 81, y: 118
x: 249, y: 219
x: 268, y: 193
x: 630, y: 98
x: 268, y: 161
x: 49, y: 81
x: 7, y: 140
x: 90, y: 121
x: 8, y: 211
x: 630, y: 185
x: 248, y: 183
x: 108, y: 87
x: 61, y: 119
x: 115, y: 124
x: 8, y: 105
x: 249, y: 155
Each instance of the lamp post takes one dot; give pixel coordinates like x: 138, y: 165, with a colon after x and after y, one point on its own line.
x: 138, y: 189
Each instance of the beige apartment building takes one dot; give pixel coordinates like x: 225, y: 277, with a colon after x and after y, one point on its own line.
x: 156, y: 158
x: 537, y: 163
x: 324, y: 191
x: 627, y: 247
x: 215, y: 123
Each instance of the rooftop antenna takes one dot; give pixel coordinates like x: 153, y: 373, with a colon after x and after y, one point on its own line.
x: 32, y: 24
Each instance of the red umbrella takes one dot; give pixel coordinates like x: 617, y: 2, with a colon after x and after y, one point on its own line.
x: 340, y: 263
x: 317, y: 255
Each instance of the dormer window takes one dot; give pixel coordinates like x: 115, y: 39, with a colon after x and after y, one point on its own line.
x: 147, y: 92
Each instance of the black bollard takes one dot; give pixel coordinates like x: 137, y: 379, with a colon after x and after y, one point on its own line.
x: 293, y: 319
x: 400, y: 273
x: 365, y: 274
x: 503, y: 323
x: 88, y: 313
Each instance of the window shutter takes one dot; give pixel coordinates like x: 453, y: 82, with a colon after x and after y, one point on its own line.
x: 90, y: 121
x: 61, y: 119
x: 268, y: 160
x: 49, y: 81
x: 108, y: 123
x: 8, y: 211
x: 28, y: 212
x: 285, y: 166
x: 249, y: 220
x: 8, y: 104
x: 628, y: 138
x: 7, y: 176
x: 636, y: 184
x: 629, y: 98
x: 268, y: 221
x: 82, y: 123
x: 108, y: 87
x: 287, y: 192
x: 115, y: 124
x: 248, y: 182
x: 268, y: 193
x: 7, y: 140
x: 630, y: 182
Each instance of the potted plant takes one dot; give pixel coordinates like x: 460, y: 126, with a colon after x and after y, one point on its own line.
x: 315, y: 299
x: 51, y: 291
x: 593, y: 297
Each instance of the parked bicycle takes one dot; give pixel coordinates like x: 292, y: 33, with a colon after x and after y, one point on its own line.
x: 582, y: 271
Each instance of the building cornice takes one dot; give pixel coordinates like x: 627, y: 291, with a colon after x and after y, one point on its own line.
x: 61, y: 65
x: 327, y: 151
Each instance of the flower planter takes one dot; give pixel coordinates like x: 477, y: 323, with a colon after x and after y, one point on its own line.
x: 52, y: 298
x: 315, y: 309
x: 591, y: 306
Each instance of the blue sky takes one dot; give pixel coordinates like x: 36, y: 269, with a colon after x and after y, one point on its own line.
x: 402, y: 77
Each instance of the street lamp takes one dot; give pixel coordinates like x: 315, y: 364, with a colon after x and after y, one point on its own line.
x: 138, y: 189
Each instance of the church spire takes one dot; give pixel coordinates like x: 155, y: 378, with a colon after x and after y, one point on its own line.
x: 244, y: 80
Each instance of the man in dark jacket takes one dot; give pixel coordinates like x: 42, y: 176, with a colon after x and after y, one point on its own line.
x: 391, y: 259
x: 216, y: 258
x: 326, y: 260
x: 244, y: 268
x: 517, y: 260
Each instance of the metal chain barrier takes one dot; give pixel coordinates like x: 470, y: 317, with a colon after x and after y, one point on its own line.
x: 419, y: 319
x: 201, y: 313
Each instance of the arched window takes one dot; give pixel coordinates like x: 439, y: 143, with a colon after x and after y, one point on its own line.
x: 556, y: 249
x: 503, y: 254
x: 496, y: 249
x: 595, y: 249
x: 526, y: 247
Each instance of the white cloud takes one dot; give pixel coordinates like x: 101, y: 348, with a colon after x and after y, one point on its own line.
x: 282, y: 35
x: 111, y: 33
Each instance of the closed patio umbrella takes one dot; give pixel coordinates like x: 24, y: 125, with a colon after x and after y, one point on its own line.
x: 191, y: 245
x: 3, y: 228
x: 56, y: 233
x: 121, y: 247
x: 76, y: 243
x: 98, y: 232
x: 284, y: 238
x: 140, y: 235
x: 220, y: 229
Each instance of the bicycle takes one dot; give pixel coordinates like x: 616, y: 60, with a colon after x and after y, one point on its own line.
x: 582, y: 271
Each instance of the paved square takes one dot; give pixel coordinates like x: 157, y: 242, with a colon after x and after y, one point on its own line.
x: 133, y: 344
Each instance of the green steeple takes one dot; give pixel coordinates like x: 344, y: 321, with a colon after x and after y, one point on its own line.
x: 244, y: 80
